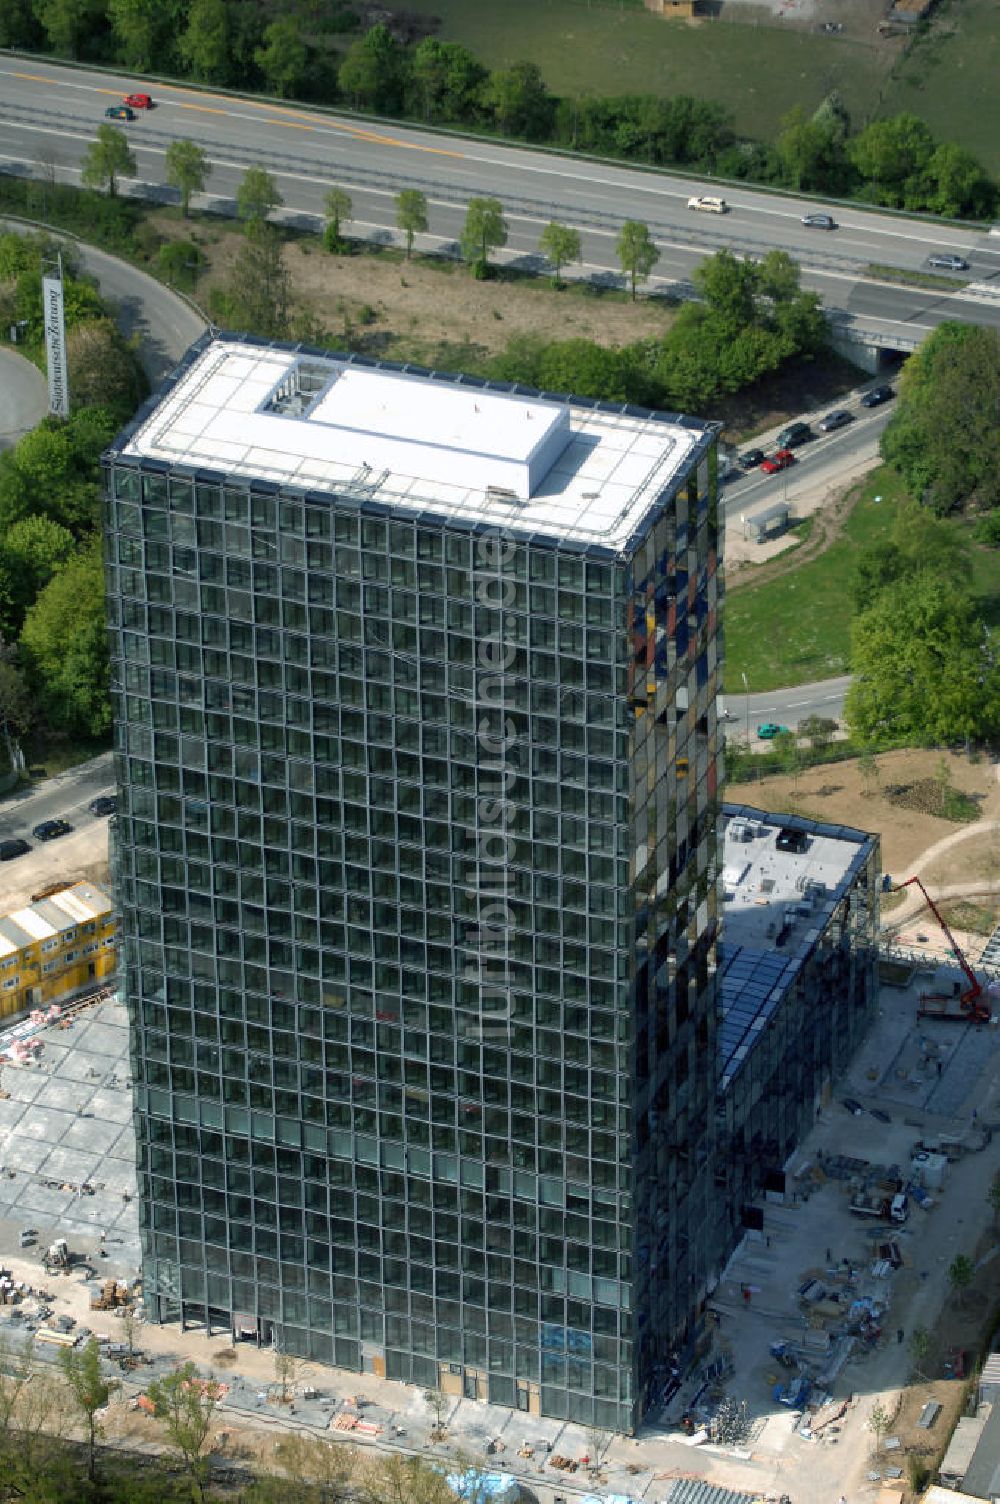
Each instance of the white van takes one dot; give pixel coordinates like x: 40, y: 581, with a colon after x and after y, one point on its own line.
x: 709, y: 204
x: 899, y: 1210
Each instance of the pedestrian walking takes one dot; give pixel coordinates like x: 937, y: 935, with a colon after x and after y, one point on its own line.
x: 899, y: 1334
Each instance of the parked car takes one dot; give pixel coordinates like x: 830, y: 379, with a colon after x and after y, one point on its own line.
x: 107, y: 804
x: 947, y: 262
x: 839, y: 418
x: 855, y: 1108
x: 51, y: 830
x: 10, y: 849
x: 752, y: 458
x: 709, y: 203
x: 139, y: 101
x: 880, y: 1114
x: 119, y: 112
x: 768, y: 730
x: 819, y: 221
x: 794, y: 435
x: 780, y: 460
x: 877, y: 396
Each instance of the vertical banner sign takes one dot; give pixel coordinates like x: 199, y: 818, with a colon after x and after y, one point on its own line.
x: 55, y: 343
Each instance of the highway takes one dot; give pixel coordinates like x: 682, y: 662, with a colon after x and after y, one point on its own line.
x: 48, y: 114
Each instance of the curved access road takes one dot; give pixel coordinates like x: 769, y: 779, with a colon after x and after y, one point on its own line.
x: 50, y: 113
x: 24, y: 397
x: 165, y: 323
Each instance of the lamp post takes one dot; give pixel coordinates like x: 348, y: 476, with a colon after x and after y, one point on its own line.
x: 746, y: 705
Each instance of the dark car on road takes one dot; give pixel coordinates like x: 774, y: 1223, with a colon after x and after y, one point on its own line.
x: 107, y: 804
x: 794, y: 435
x: 819, y: 221
x: 769, y: 730
x: 119, y: 112
x: 854, y: 1108
x: 51, y: 830
x: 877, y: 396
x: 752, y: 458
x: 10, y: 849
x: 838, y: 419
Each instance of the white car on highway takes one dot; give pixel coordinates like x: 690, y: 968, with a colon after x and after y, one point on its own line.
x: 710, y: 205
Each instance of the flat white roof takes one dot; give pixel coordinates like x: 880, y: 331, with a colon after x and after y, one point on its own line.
x: 417, y: 442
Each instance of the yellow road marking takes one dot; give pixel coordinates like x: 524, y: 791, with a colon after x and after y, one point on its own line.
x: 293, y: 121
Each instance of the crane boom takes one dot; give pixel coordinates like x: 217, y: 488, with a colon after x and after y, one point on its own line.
x: 969, y: 999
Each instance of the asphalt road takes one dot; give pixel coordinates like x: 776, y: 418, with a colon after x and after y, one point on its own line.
x: 63, y: 797
x: 24, y: 397
x: 787, y: 706
x: 48, y: 114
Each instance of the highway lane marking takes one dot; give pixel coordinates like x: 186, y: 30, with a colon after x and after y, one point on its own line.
x: 266, y: 112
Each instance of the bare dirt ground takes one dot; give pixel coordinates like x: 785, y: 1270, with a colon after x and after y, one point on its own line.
x: 840, y: 794
x: 430, y: 310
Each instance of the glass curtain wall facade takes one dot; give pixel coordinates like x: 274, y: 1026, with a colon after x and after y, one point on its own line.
x: 342, y: 1145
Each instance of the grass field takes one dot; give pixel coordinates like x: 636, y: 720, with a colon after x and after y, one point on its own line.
x: 950, y: 79
x: 797, y: 628
x: 758, y: 72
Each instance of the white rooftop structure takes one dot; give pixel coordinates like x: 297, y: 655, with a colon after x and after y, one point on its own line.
x: 768, y: 889
x: 419, y: 442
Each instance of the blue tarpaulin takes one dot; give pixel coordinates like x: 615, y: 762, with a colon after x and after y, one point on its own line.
x: 479, y: 1487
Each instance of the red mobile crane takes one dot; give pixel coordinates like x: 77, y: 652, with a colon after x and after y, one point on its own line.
x: 972, y: 1005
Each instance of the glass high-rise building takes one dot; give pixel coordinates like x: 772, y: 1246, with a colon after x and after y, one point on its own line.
x: 415, y: 682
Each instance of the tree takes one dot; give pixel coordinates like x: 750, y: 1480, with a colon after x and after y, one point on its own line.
x: 868, y: 768
x: 64, y: 641
x: 485, y: 230
x: 447, y: 80
x: 371, y: 74
x: 637, y: 255
x: 137, y: 26
x: 205, y: 45
x: 107, y: 159
x: 187, y: 170
x: 286, y: 1371
x: 943, y: 437
x: 258, y: 291
x: 337, y: 205
x: 322, y: 1470
x: 786, y: 748
x: 519, y: 101
x: 892, y: 157
x: 30, y: 554
x: 33, y: 1465
x: 961, y: 1271
x: 18, y: 26
x: 879, y: 1421
x: 959, y: 186
x: 395, y: 1479
x: 818, y: 730
x: 919, y: 1349
x: 411, y: 215
x: 67, y: 23
x: 17, y: 708
x: 811, y: 152
x: 438, y: 1402
x: 993, y: 1197
x: 185, y: 1403
x: 104, y: 369
x: 924, y: 667
x: 559, y: 244
x: 89, y: 1390
x: 257, y: 197
x: 282, y: 58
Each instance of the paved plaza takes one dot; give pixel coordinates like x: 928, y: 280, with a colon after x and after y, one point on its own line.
x: 67, y: 1146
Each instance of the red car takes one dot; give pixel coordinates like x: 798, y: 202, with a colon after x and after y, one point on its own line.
x: 778, y: 461
x: 139, y: 101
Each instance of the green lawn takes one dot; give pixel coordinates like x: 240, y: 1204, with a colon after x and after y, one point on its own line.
x: 758, y: 72
x: 951, y: 79
x: 797, y: 628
